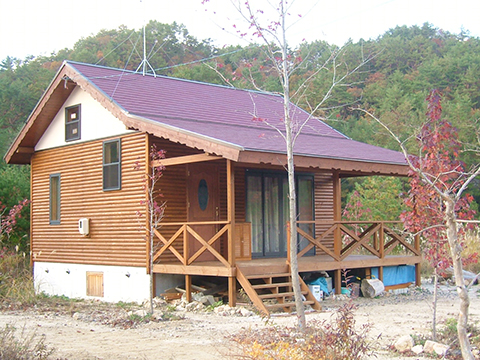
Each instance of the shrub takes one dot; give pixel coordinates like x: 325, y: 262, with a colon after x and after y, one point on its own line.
x: 338, y: 338
x: 16, y: 280
x: 447, y: 334
x: 25, y: 347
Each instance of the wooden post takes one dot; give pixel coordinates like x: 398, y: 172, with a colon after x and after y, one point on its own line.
x: 337, y: 235
x: 186, y: 248
x: 147, y: 208
x: 232, y: 281
x: 188, y: 287
x: 337, y: 212
x: 382, y: 242
x: 31, y: 216
x: 375, y: 241
x: 289, y: 238
x: 381, y: 251
x: 418, y: 266
x: 337, y: 278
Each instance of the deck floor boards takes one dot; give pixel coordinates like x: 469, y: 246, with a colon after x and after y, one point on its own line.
x: 277, y: 265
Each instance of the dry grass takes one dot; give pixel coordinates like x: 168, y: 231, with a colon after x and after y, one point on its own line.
x: 16, y: 280
x: 338, y: 338
x: 23, y: 346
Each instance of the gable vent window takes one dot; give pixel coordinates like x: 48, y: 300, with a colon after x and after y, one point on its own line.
x: 112, y: 170
x: 72, y: 123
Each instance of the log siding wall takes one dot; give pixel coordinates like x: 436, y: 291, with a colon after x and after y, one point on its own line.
x: 115, y: 235
x: 323, y: 206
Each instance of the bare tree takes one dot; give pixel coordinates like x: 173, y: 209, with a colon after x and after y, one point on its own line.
x: 285, y: 62
x: 154, y: 210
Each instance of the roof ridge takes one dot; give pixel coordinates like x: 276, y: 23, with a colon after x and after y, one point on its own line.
x: 131, y: 72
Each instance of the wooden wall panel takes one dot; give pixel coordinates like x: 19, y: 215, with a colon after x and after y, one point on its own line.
x: 240, y: 195
x: 323, y: 205
x: 173, y: 187
x: 115, y: 235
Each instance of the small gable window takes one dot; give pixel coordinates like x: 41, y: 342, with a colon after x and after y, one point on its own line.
x: 112, y: 170
x: 72, y: 123
x: 54, y: 199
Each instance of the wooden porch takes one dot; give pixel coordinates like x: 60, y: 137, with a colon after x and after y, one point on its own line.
x: 219, y: 243
x: 360, y: 245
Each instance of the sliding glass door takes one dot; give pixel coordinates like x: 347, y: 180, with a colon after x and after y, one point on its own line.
x: 267, y: 210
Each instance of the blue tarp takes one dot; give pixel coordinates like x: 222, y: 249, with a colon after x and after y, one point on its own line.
x: 323, y: 284
x: 395, y: 275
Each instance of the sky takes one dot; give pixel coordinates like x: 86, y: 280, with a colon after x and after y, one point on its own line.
x: 40, y: 27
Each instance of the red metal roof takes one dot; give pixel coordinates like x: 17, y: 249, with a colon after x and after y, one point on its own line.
x: 226, y: 114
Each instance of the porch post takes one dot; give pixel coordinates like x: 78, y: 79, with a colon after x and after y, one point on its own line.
x: 188, y: 288
x: 232, y: 280
x: 147, y: 218
x: 337, y: 235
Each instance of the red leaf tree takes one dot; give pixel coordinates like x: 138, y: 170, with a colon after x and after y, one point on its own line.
x: 439, y: 161
x: 437, y: 173
x: 8, y: 220
x: 438, y: 202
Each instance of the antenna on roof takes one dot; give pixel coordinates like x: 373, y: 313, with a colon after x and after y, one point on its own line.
x: 145, y: 62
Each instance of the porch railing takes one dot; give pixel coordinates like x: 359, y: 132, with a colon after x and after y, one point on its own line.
x: 180, y: 242
x: 378, y: 238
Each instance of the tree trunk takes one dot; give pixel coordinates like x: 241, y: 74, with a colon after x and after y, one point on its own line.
x: 292, y: 200
x: 456, y: 251
x: 150, y: 254
x: 293, y: 242
x: 434, y: 303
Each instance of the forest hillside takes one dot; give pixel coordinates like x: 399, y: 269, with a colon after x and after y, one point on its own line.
x: 400, y: 68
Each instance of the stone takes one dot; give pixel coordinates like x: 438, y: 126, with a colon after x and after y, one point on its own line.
x: 245, y: 312
x: 432, y: 347
x: 141, y: 313
x: 404, y: 343
x: 417, y: 349
x: 440, y: 349
x: 195, y: 306
x: 207, y: 300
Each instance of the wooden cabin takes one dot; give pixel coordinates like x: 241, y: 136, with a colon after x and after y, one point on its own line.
x: 224, y: 185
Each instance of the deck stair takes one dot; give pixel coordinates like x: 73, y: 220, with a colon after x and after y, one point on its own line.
x: 274, y: 291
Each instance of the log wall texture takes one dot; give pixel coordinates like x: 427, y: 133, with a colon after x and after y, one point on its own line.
x: 323, y: 206
x: 115, y: 235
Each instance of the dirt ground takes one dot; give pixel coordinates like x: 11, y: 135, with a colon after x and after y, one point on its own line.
x: 204, y: 335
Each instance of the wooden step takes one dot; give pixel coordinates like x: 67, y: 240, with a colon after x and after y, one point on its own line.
x: 286, y: 305
x: 267, y: 276
x: 276, y: 295
x: 279, y: 295
x: 273, y: 285
x: 277, y: 288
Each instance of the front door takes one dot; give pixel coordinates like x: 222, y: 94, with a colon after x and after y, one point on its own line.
x: 203, y: 195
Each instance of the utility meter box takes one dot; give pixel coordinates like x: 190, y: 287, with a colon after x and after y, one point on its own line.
x: 84, y: 226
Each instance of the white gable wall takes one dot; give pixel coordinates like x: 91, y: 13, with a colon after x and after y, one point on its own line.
x: 96, y: 122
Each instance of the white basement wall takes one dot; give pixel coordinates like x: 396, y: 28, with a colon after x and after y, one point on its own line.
x: 120, y: 283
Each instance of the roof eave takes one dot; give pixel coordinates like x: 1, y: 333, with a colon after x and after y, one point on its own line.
x: 21, y: 150
x: 346, y: 167
x: 208, y: 144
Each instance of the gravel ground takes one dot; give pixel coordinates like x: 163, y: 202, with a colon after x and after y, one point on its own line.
x: 92, y: 330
